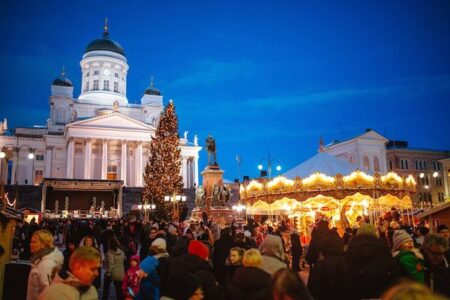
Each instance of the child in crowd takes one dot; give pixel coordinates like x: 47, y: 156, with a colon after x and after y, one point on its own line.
x: 233, y: 261
x: 409, y: 258
x: 131, y: 281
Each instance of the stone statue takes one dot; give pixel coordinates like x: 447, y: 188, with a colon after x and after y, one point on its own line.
x: 216, y: 196
x: 195, y: 140
x: 211, y: 147
x: 185, y: 134
x: 200, y: 197
x: 225, y: 195
x: 116, y: 106
x: 74, y: 115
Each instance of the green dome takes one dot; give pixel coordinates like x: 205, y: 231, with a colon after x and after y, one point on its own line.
x: 105, y: 44
x: 62, y: 80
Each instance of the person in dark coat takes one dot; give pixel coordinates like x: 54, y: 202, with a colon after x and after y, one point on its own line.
x: 250, y: 282
x: 326, y: 278
x: 195, y: 263
x: 369, y: 268
x: 437, y: 269
x: 147, y: 241
x: 287, y: 284
x: 317, y: 236
x: 296, y: 250
x: 221, y: 251
x: 443, y: 231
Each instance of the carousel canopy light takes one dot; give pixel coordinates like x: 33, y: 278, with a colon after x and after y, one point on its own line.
x: 410, y: 180
x: 318, y: 177
x: 391, y: 176
x: 280, y: 180
x: 358, y: 174
x: 254, y: 185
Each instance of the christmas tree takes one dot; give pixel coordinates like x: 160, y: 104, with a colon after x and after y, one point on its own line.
x: 162, y: 172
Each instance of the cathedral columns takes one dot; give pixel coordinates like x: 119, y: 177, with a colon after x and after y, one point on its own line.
x: 48, y: 162
x: 185, y: 172
x: 123, y: 162
x: 70, y: 157
x: 196, y: 170
x: 104, y: 159
x: 87, y: 159
x: 138, y: 164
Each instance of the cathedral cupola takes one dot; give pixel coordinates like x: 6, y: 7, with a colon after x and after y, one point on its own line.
x: 62, y: 80
x: 62, y: 85
x: 152, y: 104
x: 104, y: 70
x: 152, y: 90
x: 105, y: 43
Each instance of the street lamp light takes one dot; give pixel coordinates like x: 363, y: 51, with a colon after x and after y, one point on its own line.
x: 435, y: 174
x: 239, y: 208
x: 422, y: 175
x: 270, y: 161
x: 175, y: 199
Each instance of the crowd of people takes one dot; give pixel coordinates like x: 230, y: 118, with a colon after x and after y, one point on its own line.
x: 81, y: 259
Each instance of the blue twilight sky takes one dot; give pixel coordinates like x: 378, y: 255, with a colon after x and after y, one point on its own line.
x: 259, y: 75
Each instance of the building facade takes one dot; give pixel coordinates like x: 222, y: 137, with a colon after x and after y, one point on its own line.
x: 99, y: 135
x: 367, y: 151
x: 426, y: 167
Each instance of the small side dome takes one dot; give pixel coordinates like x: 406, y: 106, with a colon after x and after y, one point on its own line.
x: 62, y: 80
x: 152, y: 90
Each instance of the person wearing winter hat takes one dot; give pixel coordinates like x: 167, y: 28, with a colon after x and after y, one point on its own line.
x: 443, y: 231
x: 409, y: 258
x: 187, y: 287
x: 158, y: 250
x: 199, y: 249
x: 131, y: 282
x: 195, y: 263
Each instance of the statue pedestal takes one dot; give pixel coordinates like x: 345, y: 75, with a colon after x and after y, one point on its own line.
x: 221, y: 215
x: 212, y: 175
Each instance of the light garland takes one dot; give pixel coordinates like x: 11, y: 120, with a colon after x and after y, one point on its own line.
x: 356, y: 175
x: 280, y: 181
x: 391, y: 176
x: 254, y: 185
x: 318, y: 177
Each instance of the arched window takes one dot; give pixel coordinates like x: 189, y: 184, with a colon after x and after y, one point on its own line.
x: 390, y: 164
x: 350, y: 160
x: 366, y: 163
x: 60, y: 115
x: 376, y: 164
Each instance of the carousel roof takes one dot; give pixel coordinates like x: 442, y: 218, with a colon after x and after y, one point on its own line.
x: 324, y: 163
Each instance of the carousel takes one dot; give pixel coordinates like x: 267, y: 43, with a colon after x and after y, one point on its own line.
x: 340, y: 198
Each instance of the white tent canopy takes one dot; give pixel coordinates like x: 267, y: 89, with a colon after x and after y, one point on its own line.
x: 324, y: 163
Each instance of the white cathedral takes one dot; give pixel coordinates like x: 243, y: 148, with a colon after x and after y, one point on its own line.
x: 99, y: 135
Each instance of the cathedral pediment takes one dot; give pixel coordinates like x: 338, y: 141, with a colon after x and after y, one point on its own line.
x: 114, y: 120
x: 372, y: 135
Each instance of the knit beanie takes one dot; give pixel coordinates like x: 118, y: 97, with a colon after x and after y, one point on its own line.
x: 199, y: 249
x: 400, y: 237
x: 185, y: 285
x: 159, y: 243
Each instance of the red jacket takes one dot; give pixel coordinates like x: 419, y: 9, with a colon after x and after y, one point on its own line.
x: 131, y: 278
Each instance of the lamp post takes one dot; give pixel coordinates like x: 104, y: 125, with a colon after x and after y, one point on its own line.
x: 146, y: 207
x: 16, y: 150
x: 270, y: 162
x: 175, y: 199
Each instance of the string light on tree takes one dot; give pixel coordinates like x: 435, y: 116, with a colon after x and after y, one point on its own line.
x: 162, y: 172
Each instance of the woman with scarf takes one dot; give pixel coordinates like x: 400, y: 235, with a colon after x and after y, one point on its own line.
x: 45, y: 259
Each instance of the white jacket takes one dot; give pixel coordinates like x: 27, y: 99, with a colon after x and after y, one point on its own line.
x: 68, y: 288
x: 42, y: 272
